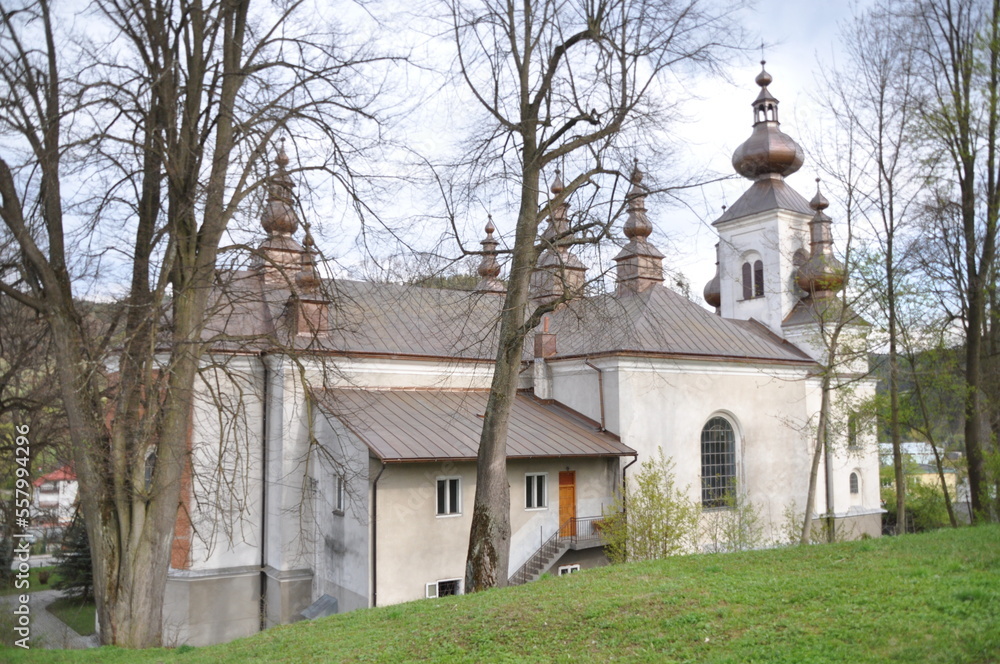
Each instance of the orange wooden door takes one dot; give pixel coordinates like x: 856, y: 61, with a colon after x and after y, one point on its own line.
x: 567, y: 503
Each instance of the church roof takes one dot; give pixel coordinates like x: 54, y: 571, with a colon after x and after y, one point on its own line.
x: 764, y: 195
x: 427, y: 425
x: 659, y: 321
x: 390, y: 319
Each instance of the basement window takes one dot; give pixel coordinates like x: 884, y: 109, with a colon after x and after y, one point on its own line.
x: 444, y: 588
x: 449, y: 496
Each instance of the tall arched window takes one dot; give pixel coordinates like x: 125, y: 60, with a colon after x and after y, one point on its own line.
x: 718, y: 462
x: 747, y: 281
x: 753, y: 279
x: 854, y: 484
x: 758, y: 279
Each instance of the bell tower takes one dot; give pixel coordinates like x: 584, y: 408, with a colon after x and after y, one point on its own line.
x: 764, y: 235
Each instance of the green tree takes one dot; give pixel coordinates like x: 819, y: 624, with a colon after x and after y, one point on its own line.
x: 654, y: 519
x: 74, y: 566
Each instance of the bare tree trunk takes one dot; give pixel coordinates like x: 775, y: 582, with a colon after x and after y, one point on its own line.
x: 821, y: 432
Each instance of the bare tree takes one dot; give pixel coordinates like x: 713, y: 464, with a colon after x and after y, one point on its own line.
x: 958, y: 52
x: 559, y: 83
x: 873, y: 102
x: 168, y: 119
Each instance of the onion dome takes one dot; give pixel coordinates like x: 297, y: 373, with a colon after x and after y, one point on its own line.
x: 559, y: 274
x: 489, y: 267
x: 822, y: 273
x: 713, y: 290
x: 768, y: 152
x: 639, y: 263
x: 279, y: 216
x: 307, y: 279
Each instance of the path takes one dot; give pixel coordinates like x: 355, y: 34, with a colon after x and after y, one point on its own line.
x: 47, y: 631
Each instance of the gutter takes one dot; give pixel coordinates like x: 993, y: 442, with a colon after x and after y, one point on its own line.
x: 375, y: 535
x: 265, y: 403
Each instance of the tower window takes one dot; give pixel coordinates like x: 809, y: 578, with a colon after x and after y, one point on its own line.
x: 854, y: 483
x: 753, y: 280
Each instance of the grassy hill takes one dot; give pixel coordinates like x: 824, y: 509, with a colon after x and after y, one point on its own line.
x: 918, y: 598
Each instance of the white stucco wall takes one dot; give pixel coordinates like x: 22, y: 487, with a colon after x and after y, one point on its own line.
x: 773, y: 236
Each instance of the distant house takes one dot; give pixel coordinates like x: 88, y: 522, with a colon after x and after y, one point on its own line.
x: 335, y: 426
x: 55, y: 497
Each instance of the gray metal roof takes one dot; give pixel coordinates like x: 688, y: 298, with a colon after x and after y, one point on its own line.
x: 416, y: 425
x: 387, y: 319
x: 763, y: 195
x: 660, y: 321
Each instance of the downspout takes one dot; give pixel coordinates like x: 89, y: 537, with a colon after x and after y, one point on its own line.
x: 624, y: 483
x: 375, y: 536
x: 600, y: 393
x: 265, y: 398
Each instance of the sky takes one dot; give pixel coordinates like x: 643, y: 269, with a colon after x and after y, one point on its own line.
x: 801, y: 38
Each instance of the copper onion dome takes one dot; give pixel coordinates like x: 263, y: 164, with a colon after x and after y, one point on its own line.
x: 279, y: 214
x: 768, y: 151
x: 822, y: 273
x: 713, y: 290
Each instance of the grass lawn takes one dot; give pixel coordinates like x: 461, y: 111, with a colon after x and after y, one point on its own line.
x: 34, y: 584
x: 916, y: 598
x: 75, y: 613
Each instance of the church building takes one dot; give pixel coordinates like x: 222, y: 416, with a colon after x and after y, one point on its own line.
x: 334, y: 436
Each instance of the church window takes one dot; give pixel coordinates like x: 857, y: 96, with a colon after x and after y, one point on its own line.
x: 753, y: 279
x: 449, y: 496
x: 535, y: 496
x: 854, y: 484
x: 852, y: 430
x: 718, y: 462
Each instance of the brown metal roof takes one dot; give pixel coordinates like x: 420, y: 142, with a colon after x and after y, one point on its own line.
x: 423, y: 425
x: 763, y: 195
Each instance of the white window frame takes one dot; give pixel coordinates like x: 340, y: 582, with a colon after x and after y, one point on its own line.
x: 530, y: 481
x: 448, y: 501
x: 568, y: 569
x: 433, y: 590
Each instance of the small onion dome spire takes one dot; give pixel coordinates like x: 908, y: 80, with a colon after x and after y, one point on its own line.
x: 822, y: 273
x: 768, y: 152
x: 279, y: 216
x: 637, y: 225
x: 558, y: 274
x: 713, y: 289
x: 640, y: 264
x: 307, y: 279
x: 489, y: 267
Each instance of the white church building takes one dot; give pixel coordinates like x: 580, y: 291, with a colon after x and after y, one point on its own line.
x: 334, y: 435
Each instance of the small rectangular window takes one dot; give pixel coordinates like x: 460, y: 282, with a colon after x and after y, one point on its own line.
x: 341, y: 496
x: 449, y: 496
x: 535, y: 495
x: 568, y: 569
x: 852, y: 430
x: 443, y: 588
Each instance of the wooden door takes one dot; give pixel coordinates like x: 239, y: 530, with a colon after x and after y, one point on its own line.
x: 567, y: 503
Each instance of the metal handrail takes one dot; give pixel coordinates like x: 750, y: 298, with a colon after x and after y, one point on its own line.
x: 584, y: 529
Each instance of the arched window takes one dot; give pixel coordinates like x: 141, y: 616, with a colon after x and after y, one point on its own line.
x: 149, y: 469
x: 758, y: 279
x: 718, y: 462
x: 747, y: 281
x: 854, y: 484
